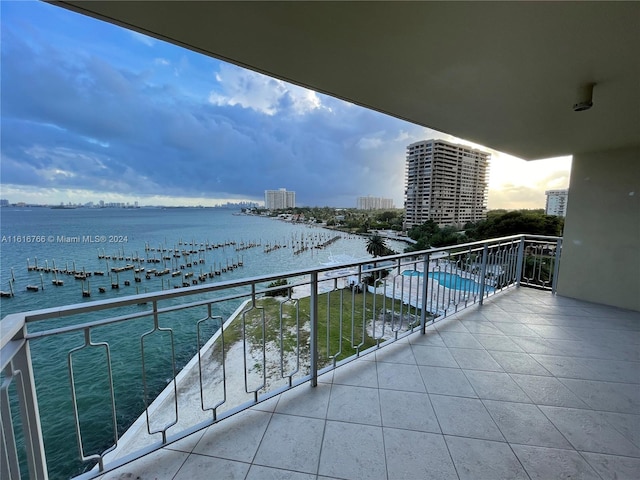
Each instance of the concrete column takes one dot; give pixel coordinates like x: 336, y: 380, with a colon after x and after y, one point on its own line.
x: 601, y: 250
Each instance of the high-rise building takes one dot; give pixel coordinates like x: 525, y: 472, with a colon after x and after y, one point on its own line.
x: 279, y: 199
x: 557, y: 202
x: 374, y: 203
x: 446, y: 183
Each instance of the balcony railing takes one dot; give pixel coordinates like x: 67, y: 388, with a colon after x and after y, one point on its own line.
x: 118, y: 360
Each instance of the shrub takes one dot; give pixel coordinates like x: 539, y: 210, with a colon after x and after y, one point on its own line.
x: 280, y: 292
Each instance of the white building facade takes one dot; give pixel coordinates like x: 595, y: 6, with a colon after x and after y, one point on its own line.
x: 374, y: 203
x: 557, y: 202
x: 446, y: 183
x: 279, y: 199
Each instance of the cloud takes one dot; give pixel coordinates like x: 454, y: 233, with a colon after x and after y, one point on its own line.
x: 261, y: 93
x: 403, y: 136
x: 144, y: 39
x: 557, y: 180
x: 514, y: 197
x: 369, y: 143
x: 529, y: 190
x: 123, y: 130
x: 108, y: 120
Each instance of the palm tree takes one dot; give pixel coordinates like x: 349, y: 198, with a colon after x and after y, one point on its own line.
x: 376, y: 246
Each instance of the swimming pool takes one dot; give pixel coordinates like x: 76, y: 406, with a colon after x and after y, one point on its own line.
x: 450, y: 280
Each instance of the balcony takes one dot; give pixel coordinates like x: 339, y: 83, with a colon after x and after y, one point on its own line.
x: 528, y: 385
x: 500, y: 381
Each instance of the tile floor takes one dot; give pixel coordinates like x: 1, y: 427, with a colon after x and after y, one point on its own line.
x: 527, y: 386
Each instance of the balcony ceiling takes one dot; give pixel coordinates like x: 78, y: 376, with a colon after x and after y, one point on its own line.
x: 501, y: 74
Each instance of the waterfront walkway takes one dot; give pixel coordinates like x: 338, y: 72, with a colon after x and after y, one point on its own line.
x: 527, y: 386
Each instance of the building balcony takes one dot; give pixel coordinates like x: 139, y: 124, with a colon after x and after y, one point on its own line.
x: 482, y: 378
x: 528, y: 385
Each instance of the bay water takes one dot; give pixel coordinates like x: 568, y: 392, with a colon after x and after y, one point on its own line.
x: 93, y: 240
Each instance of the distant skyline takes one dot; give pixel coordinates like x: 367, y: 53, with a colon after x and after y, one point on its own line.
x: 91, y: 111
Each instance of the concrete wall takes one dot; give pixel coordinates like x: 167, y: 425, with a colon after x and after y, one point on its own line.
x: 601, y: 251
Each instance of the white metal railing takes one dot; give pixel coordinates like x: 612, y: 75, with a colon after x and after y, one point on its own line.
x: 319, y: 320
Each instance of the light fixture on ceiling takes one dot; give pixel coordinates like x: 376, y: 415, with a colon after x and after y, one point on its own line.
x: 585, y: 99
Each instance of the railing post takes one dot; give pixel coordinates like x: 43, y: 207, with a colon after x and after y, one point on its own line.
x: 9, y: 464
x: 423, y: 306
x: 30, y: 415
x: 520, y: 261
x: 556, y: 266
x: 483, y: 271
x: 313, y: 338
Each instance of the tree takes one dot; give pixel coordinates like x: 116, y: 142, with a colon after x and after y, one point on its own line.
x: 533, y: 222
x: 424, y: 235
x: 376, y: 246
x: 282, y: 292
x: 444, y: 237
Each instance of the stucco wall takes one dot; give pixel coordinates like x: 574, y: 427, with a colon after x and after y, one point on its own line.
x: 601, y: 251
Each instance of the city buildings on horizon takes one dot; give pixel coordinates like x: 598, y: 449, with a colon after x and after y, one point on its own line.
x: 374, y: 203
x: 557, y: 202
x: 103, y: 204
x: 446, y: 183
x: 279, y: 199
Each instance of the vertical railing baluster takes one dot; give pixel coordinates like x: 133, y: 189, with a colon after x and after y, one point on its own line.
x: 492, y: 260
x: 409, y: 299
x: 246, y: 349
x: 446, y: 292
x: 296, y: 306
x: 392, y: 319
x: 402, y: 299
x: 364, y: 319
x: 441, y: 288
x: 146, y: 388
x: 328, y: 324
x: 9, y: 465
x: 373, y: 302
x: 335, y: 356
x: 425, y: 291
x: 483, y: 272
x: 313, y: 337
x: 88, y: 344
x: 556, y: 265
x: 520, y: 260
x: 214, y: 408
x: 29, y: 413
x: 384, y: 308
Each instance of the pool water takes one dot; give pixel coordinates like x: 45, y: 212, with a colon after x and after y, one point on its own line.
x: 450, y: 280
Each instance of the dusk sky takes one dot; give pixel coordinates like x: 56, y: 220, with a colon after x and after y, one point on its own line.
x: 91, y: 111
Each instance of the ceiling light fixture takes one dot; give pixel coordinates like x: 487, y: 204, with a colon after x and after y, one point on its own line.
x: 585, y: 100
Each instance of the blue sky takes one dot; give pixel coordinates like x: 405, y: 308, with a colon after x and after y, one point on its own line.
x: 91, y: 111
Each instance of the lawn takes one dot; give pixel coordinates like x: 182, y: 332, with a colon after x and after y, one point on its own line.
x: 345, y: 321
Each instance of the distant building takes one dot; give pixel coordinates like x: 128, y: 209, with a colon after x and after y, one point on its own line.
x: 446, y: 183
x: 4, y: 203
x: 557, y: 202
x: 374, y: 203
x: 279, y: 199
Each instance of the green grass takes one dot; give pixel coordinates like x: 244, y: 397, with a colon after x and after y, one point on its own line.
x: 336, y: 309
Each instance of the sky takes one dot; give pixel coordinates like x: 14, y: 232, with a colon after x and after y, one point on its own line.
x: 91, y: 111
